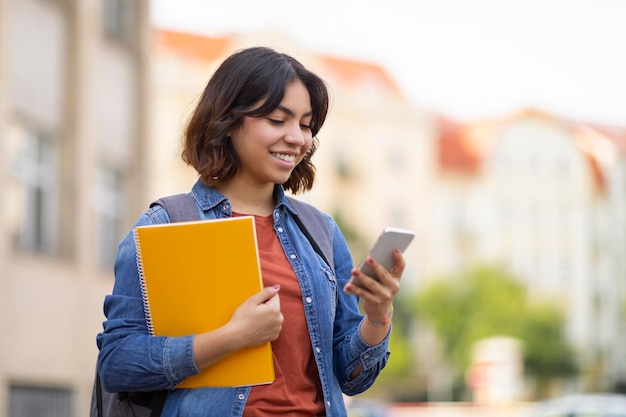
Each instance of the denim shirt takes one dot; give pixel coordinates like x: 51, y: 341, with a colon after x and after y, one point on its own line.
x: 130, y: 359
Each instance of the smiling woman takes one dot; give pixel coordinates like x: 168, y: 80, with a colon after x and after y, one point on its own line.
x: 257, y: 100
x: 251, y: 139
x: 270, y: 147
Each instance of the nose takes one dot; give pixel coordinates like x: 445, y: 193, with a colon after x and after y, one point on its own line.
x: 295, y: 135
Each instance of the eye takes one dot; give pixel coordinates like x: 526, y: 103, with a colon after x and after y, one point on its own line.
x: 275, y: 121
x: 306, y: 126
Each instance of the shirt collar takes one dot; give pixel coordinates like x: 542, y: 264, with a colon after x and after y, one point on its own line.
x: 209, y: 198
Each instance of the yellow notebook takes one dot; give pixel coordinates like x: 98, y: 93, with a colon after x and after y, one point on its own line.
x: 194, y: 275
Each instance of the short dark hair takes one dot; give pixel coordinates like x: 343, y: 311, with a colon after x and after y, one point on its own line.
x: 244, y: 79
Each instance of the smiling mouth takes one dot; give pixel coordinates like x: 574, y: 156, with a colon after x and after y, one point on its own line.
x: 284, y: 157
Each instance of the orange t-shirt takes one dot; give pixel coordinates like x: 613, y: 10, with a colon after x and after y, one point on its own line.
x: 297, y: 389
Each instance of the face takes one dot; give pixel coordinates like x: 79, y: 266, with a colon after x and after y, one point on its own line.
x: 271, y: 146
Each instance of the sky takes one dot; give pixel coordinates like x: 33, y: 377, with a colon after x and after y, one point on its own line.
x: 467, y: 59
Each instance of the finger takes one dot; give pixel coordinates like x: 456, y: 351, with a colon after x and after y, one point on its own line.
x: 273, y: 302
x: 364, y: 286
x: 264, y: 295
x: 387, y: 284
x: 382, y: 274
x: 399, y: 264
x: 364, y: 294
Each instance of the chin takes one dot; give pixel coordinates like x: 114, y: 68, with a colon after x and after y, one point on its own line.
x: 281, y: 181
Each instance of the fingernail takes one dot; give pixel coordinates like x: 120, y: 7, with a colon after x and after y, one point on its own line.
x: 276, y: 287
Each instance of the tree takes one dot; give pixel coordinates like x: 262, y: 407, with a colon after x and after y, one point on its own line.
x: 485, y: 302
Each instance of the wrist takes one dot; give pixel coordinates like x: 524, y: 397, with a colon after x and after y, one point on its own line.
x: 384, y: 321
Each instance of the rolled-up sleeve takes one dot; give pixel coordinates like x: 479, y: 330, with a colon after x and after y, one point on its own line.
x: 130, y: 358
x: 351, y: 351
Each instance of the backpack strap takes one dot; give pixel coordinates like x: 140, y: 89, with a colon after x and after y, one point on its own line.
x: 98, y: 395
x: 106, y: 404
x: 157, y: 403
x: 313, y: 225
x: 179, y: 207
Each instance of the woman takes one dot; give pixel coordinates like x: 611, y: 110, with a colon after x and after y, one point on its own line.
x: 250, y: 138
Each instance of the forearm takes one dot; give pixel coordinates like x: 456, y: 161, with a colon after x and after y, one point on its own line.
x: 373, y: 331
x: 211, y: 346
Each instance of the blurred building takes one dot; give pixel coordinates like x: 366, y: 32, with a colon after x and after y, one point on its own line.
x: 73, y: 130
x: 374, y: 160
x: 544, y: 197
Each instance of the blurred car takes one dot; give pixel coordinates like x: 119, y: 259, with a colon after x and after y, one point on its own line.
x: 583, y: 405
x: 366, y: 408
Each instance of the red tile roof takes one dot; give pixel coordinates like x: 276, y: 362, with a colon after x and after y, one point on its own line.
x: 205, y: 48
x: 351, y: 72
x: 616, y: 134
x: 455, y: 152
x: 198, y: 47
x: 462, y: 147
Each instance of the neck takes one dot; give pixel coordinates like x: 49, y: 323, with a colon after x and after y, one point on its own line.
x: 249, y: 199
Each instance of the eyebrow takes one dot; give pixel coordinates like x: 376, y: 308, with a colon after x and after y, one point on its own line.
x: 291, y: 113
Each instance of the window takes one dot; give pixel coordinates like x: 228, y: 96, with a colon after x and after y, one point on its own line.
x: 118, y: 17
x: 35, y: 169
x: 108, y: 215
x: 27, y: 401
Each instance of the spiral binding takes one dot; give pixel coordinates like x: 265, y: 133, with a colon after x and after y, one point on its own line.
x: 144, y: 288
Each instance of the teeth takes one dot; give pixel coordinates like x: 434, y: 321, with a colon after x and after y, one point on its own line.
x: 288, y: 158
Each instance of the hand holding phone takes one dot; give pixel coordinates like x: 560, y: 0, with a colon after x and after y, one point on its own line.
x: 391, y: 238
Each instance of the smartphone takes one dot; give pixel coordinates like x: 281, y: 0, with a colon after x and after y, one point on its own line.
x: 390, y: 238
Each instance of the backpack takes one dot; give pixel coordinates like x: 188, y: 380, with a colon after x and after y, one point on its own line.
x: 180, y: 208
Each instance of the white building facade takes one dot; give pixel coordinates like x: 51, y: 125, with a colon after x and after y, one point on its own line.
x: 547, y: 203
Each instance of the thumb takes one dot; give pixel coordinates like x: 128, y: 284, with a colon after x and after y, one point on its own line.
x: 274, y: 301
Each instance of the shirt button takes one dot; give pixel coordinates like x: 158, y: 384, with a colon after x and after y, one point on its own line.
x: 241, y: 396
x: 328, y: 403
x: 309, y: 299
x: 292, y: 256
x: 280, y: 230
x: 318, y: 350
x: 367, y: 355
x: 225, y: 207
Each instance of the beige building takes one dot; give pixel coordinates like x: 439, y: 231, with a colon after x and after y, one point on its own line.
x: 80, y: 160
x: 73, y: 119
